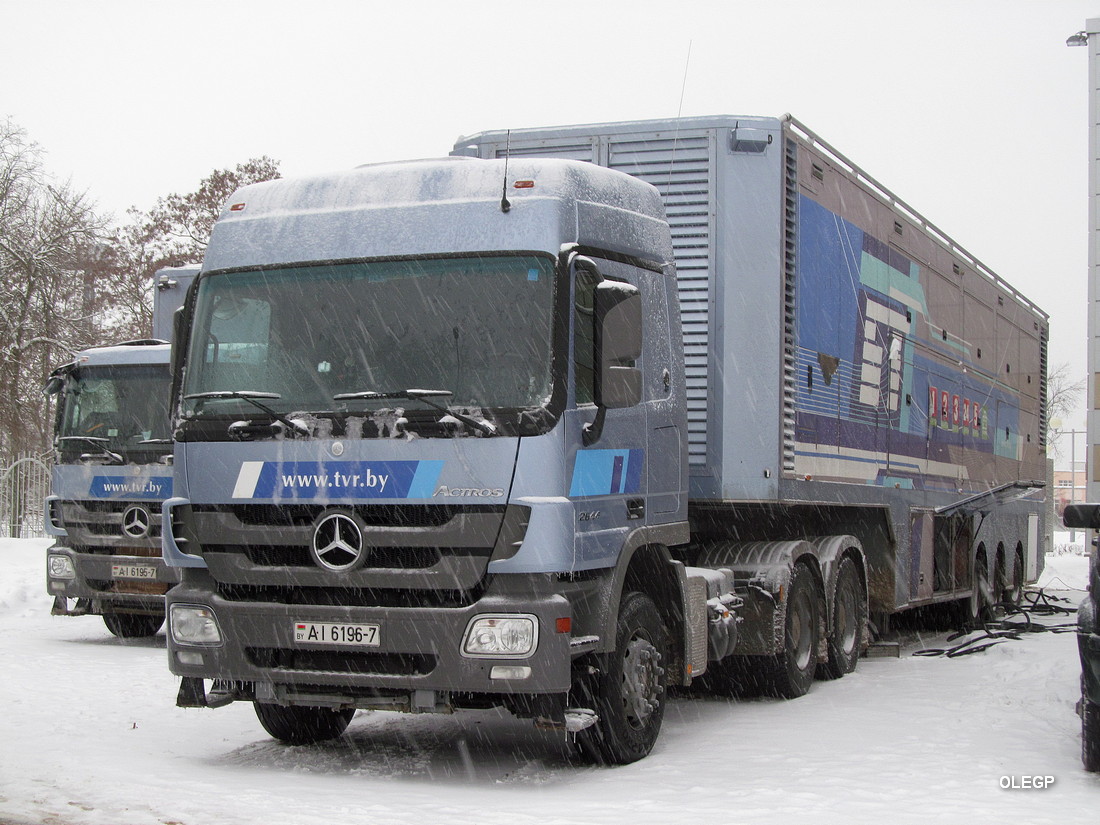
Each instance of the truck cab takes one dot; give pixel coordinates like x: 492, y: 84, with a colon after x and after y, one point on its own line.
x: 112, y: 469
x: 419, y: 429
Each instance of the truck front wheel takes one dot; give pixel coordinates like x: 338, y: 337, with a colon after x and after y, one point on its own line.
x: 132, y: 625
x: 302, y: 725
x: 629, y: 690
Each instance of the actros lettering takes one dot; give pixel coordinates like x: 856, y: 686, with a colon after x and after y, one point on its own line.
x: 469, y: 492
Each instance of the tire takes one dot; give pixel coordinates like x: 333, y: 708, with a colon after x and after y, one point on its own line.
x: 132, y: 625
x: 1090, y: 736
x: 848, y: 621
x: 629, y: 691
x: 1013, y: 592
x: 791, y: 673
x: 981, y: 599
x: 302, y: 725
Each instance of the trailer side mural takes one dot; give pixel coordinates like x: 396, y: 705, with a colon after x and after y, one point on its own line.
x: 873, y: 386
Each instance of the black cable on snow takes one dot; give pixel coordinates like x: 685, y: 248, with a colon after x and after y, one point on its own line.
x: 1015, y: 622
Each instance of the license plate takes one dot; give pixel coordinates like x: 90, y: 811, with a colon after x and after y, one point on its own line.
x: 133, y: 571
x: 324, y: 633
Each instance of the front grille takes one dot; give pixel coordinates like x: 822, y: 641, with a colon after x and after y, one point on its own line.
x: 117, y: 550
x: 112, y: 529
x: 140, y: 588
x: 114, y: 505
x: 342, y: 661
x: 103, y: 518
x: 349, y: 596
x: 373, y: 515
x: 380, y: 558
x: 130, y: 588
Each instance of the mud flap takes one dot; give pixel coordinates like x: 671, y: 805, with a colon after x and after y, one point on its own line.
x: 192, y: 693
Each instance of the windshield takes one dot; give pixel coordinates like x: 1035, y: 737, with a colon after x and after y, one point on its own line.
x: 478, y: 329
x: 121, y: 408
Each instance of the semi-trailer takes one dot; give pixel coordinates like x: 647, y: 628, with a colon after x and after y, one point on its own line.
x: 686, y: 398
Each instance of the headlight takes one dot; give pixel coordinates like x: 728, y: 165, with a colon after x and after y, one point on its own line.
x: 507, y: 636
x: 60, y: 567
x: 193, y: 624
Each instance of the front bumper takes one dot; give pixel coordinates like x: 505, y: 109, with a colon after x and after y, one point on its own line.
x: 105, y: 583
x: 419, y: 652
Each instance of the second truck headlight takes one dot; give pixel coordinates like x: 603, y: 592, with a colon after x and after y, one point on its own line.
x: 505, y: 636
x: 60, y: 567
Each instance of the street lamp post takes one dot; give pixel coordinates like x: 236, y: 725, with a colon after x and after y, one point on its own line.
x: 1088, y: 37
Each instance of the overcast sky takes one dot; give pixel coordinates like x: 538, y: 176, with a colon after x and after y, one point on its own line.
x: 973, y: 111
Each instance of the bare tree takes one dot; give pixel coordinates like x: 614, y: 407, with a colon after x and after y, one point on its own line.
x: 48, y: 231
x: 65, y: 284
x: 1063, y: 395
x: 173, y: 233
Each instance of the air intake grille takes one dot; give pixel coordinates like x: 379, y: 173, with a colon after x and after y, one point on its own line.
x: 681, y: 167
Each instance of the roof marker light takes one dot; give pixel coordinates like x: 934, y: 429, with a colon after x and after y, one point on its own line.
x: 524, y: 184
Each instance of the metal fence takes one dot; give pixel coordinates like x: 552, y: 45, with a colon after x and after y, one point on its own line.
x: 24, y: 485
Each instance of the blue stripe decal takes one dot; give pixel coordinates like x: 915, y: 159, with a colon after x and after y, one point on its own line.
x: 616, y: 474
x: 337, y: 479
x: 154, y: 487
x: 893, y: 461
x: 425, y: 479
x: 607, y: 472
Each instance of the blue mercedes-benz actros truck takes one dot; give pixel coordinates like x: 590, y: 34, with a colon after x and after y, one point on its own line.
x: 692, y: 398
x: 111, y: 471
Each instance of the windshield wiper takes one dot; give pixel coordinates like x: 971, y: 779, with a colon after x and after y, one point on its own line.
x: 253, y: 397
x: 483, y: 427
x: 97, y: 442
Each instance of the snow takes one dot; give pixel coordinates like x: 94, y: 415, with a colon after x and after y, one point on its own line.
x: 91, y: 736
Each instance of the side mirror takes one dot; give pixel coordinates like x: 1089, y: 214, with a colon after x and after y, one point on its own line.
x: 618, y: 310
x: 177, y: 333
x: 1082, y: 516
x: 53, y: 385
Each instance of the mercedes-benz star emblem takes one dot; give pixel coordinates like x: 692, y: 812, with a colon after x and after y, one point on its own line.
x: 136, y: 522
x: 337, y: 543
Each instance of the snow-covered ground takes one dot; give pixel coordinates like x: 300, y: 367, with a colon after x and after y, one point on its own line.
x: 89, y: 733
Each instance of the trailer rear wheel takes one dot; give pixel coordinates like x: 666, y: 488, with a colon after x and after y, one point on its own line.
x: 981, y: 599
x: 629, y: 690
x: 849, y: 618
x: 302, y: 725
x: 791, y: 673
x: 999, y: 581
x: 1013, y: 593
x: 132, y: 625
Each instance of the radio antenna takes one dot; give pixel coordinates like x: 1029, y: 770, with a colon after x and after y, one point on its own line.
x: 679, y: 111
x: 683, y: 86
x: 505, y: 206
